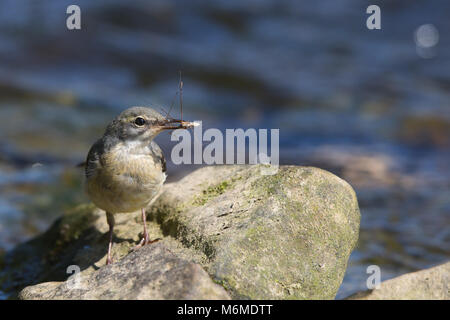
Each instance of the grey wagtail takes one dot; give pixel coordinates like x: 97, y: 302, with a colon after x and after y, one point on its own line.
x: 125, y: 169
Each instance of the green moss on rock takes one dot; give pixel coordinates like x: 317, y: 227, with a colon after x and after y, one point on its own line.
x: 287, y: 236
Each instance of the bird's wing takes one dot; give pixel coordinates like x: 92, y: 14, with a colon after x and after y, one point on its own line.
x: 158, y: 154
x: 93, y: 158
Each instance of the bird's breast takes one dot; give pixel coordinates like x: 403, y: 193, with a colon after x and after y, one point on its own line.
x: 125, y: 181
x: 128, y: 167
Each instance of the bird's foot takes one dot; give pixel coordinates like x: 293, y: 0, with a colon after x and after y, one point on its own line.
x: 109, y: 260
x: 144, y: 241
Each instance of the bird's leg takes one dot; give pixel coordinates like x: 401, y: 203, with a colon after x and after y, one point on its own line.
x: 110, y: 220
x: 144, y: 221
x: 146, y: 239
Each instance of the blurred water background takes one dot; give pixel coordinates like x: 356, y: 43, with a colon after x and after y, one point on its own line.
x: 371, y: 106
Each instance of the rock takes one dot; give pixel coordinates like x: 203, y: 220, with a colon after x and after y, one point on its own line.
x: 428, y: 284
x: 282, y: 236
x: 151, y: 273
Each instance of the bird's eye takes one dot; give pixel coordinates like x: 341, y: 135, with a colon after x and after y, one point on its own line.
x: 139, y: 121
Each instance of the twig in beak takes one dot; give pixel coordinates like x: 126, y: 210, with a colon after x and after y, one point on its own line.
x: 171, y: 105
x: 179, y: 124
x: 181, y: 97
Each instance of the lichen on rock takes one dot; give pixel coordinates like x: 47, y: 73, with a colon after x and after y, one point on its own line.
x: 282, y: 236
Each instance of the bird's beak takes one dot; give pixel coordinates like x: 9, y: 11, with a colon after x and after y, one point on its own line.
x: 177, y: 124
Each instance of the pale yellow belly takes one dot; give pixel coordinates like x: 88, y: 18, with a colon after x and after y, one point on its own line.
x: 128, y: 187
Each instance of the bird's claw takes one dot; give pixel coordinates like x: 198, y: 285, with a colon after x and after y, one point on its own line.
x: 144, y: 241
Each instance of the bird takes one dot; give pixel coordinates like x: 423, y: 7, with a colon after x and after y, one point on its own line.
x: 125, y: 169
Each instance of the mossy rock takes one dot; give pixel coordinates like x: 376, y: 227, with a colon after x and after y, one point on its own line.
x: 283, y: 236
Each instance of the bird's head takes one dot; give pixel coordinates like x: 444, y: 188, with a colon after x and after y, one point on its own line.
x: 142, y: 124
